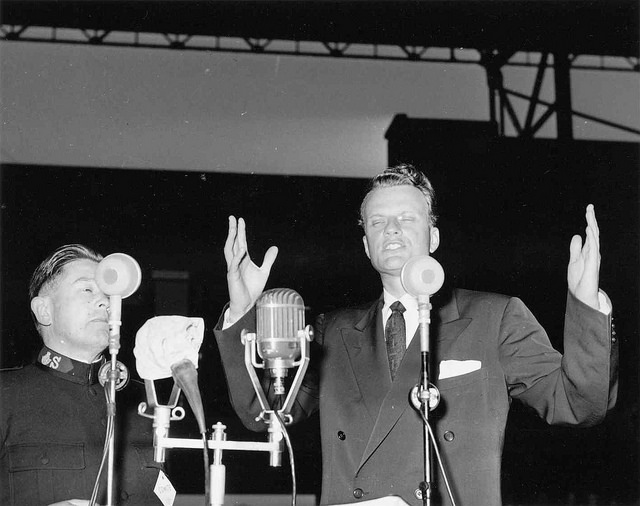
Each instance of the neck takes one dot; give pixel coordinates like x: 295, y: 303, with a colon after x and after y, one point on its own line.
x: 392, y: 284
x: 86, y: 356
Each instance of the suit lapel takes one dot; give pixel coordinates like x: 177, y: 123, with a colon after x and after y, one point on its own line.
x: 446, y: 325
x: 368, y: 358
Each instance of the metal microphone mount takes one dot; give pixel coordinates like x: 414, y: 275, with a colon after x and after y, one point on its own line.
x: 295, y: 355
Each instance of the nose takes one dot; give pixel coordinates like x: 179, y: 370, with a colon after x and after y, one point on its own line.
x: 392, y: 227
x: 103, y: 301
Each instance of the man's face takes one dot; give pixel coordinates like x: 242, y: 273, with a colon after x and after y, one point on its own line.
x: 397, y: 228
x: 77, y: 312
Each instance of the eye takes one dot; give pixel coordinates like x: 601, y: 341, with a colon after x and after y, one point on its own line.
x: 88, y: 288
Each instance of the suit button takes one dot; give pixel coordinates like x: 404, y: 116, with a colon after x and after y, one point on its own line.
x: 358, y: 493
x: 341, y: 435
x: 449, y: 436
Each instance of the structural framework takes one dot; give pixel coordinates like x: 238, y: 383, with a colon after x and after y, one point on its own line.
x: 555, y: 36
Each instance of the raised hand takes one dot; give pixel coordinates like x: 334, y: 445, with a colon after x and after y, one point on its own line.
x: 245, y: 279
x: 584, y: 262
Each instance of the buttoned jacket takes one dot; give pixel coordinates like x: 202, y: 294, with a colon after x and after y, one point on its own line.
x: 372, y: 437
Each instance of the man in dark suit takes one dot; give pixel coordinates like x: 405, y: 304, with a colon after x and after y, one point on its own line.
x: 488, y: 348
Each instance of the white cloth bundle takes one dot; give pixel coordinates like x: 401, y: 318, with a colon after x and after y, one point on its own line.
x: 165, y: 340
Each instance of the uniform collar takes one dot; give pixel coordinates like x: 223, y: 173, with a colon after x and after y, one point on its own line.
x: 68, y: 368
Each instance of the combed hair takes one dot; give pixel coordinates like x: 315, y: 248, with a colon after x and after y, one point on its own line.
x: 401, y: 175
x: 51, y: 267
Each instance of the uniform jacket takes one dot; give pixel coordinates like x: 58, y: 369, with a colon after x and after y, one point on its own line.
x: 52, y: 433
x: 372, y: 438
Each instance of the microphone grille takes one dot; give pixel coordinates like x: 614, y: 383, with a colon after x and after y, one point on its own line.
x: 118, y: 274
x: 422, y: 275
x: 280, y: 314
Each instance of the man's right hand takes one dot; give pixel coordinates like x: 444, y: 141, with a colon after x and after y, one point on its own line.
x: 245, y: 280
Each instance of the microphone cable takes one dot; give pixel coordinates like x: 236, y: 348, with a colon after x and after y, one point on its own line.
x: 207, y: 470
x: 287, y: 440
x: 439, y: 458
x: 109, y: 435
x: 185, y: 376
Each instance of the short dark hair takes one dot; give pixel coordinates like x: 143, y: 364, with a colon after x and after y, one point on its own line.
x: 51, y: 267
x: 404, y: 174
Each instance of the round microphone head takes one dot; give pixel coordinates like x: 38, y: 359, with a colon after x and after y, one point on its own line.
x: 422, y: 275
x: 279, y: 319
x: 118, y: 274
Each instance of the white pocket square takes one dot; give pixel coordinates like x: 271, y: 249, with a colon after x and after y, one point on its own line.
x: 451, y: 368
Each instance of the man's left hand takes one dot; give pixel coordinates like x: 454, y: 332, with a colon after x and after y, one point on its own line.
x: 584, y: 263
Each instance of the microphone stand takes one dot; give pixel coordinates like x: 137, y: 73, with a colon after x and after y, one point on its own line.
x: 115, y: 304
x: 270, y: 416
x: 425, y: 396
x: 164, y: 414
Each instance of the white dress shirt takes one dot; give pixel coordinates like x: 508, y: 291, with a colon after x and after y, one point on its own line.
x: 410, y: 315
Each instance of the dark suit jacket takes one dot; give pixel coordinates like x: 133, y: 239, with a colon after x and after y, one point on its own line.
x: 372, y: 439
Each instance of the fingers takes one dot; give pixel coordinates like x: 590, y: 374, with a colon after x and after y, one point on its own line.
x: 593, y: 231
x: 231, y: 239
x: 235, y: 247
x: 592, y: 240
x: 241, y: 242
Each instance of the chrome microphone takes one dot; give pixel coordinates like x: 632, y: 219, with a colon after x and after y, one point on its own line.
x: 279, y: 322
x: 282, y: 342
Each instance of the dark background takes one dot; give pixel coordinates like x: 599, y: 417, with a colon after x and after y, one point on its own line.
x: 508, y: 209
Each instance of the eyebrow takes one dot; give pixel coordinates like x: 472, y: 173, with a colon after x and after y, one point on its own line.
x: 82, y: 280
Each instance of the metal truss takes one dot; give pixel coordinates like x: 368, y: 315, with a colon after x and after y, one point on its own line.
x: 500, y: 97
x: 501, y: 106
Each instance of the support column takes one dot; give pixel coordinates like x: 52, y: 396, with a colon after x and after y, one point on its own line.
x: 562, y: 76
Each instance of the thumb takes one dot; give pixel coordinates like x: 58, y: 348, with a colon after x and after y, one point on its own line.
x: 269, y: 258
x: 574, y: 248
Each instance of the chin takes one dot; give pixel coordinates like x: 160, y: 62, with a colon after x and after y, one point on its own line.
x: 103, y: 339
x: 396, y: 261
x: 393, y: 267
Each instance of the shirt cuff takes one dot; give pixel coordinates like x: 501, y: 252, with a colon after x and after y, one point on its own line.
x: 226, y: 323
x: 605, y: 303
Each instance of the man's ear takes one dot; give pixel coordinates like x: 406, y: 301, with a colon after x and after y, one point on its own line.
x: 366, y: 246
x: 41, y: 307
x: 434, y: 239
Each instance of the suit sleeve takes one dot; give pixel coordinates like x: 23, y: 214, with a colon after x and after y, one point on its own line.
x: 577, y: 388
x: 243, y: 397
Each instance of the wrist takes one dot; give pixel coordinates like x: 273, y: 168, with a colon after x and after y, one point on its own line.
x: 234, y: 313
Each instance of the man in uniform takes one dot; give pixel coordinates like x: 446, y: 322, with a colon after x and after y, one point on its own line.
x: 53, y: 413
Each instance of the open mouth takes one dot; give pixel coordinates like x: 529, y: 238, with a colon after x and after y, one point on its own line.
x: 393, y: 246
